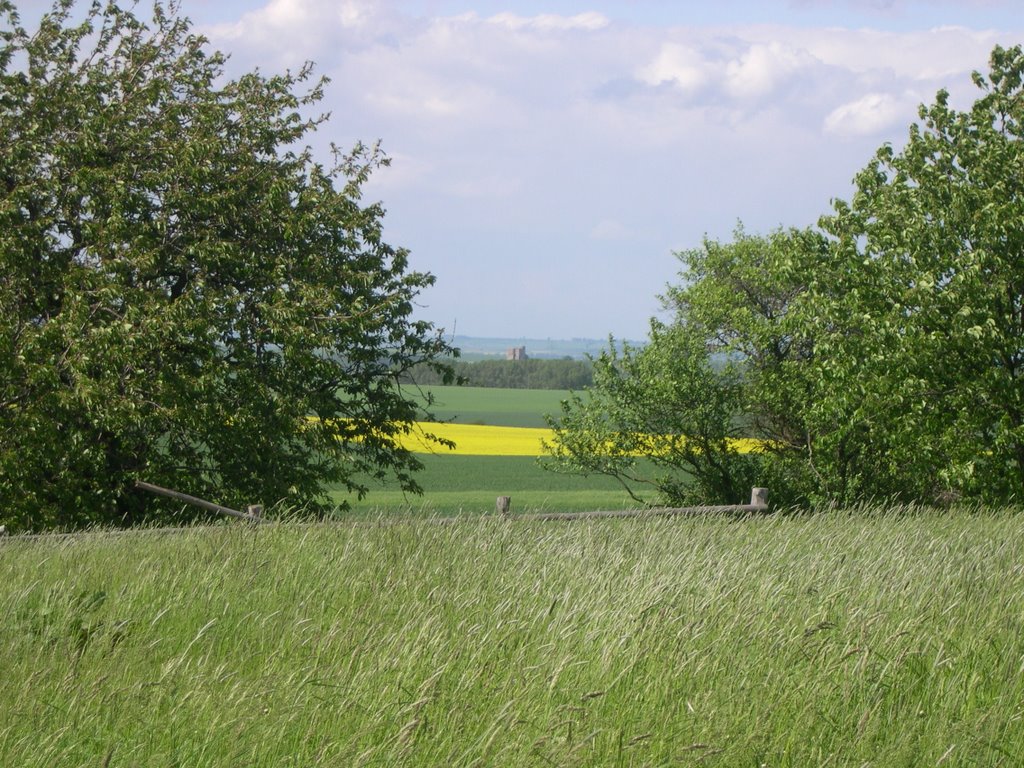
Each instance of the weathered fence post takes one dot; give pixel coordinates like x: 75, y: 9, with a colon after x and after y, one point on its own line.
x: 503, y: 505
x: 759, y: 497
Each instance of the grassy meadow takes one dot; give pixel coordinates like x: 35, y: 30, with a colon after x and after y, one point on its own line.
x: 868, y: 638
x: 871, y: 637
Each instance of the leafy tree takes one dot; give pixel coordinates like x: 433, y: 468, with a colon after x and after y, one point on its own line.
x: 880, y: 357
x: 186, y: 295
x: 744, y: 298
x: 929, y: 315
x: 657, y: 416
x: 729, y: 365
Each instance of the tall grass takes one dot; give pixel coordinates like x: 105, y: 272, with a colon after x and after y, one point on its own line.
x: 839, y: 639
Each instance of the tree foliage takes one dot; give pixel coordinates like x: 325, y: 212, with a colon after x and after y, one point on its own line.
x: 728, y: 365
x: 665, y: 403
x: 879, y: 356
x: 931, y: 255
x: 187, y: 295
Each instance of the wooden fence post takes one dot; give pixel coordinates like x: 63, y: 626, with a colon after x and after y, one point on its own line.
x: 503, y: 504
x: 759, y: 497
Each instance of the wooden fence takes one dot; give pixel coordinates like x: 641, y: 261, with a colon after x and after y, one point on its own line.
x: 758, y: 505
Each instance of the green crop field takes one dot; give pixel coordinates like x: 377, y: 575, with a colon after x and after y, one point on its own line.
x: 455, y: 484
x: 497, y: 407
x: 877, y: 637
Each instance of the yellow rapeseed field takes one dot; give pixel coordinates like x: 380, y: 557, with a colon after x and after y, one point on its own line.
x: 483, y: 440
x: 479, y: 440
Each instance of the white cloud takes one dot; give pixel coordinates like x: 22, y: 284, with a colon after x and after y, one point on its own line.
x: 677, y: 64
x: 290, y: 32
x: 871, y: 114
x: 546, y: 133
x: 416, y: 95
x: 350, y: 14
x: 921, y: 54
x: 284, y: 14
x: 550, y: 22
x: 763, y: 67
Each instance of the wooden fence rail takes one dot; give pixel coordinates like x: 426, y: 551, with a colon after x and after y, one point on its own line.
x: 253, y: 513
x: 758, y: 504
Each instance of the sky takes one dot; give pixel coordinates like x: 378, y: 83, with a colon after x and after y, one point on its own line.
x: 548, y: 157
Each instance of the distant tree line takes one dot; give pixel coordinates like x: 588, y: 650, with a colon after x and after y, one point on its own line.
x: 564, y: 373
